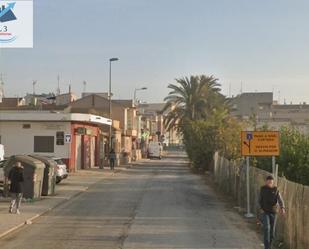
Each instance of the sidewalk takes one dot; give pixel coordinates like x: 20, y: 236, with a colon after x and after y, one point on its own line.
x: 75, y: 184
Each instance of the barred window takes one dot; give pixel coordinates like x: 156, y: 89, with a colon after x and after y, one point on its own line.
x: 44, y: 144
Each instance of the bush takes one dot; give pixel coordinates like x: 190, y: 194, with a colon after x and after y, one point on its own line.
x: 203, y: 138
x: 294, y: 156
x: 200, y: 142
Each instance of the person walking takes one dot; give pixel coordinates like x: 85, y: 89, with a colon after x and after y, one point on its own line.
x: 16, y: 178
x: 269, y: 200
x: 112, y: 159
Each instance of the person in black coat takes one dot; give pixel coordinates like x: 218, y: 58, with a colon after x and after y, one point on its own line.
x: 112, y: 159
x: 16, y: 178
x: 270, y: 199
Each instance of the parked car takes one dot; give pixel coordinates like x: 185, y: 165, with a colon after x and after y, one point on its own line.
x: 155, y: 150
x: 1, y: 170
x: 61, y: 172
x: 2, y: 161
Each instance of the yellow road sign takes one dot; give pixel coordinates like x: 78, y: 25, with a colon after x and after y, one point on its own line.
x: 260, y: 143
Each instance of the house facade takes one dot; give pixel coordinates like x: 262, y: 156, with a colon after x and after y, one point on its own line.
x: 152, y: 123
x: 263, y: 110
x: 73, y: 137
x: 124, y: 122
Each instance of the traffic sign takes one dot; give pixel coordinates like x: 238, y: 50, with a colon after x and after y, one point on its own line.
x: 260, y: 143
x: 67, y: 138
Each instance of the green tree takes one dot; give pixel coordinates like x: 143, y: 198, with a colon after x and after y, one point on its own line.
x: 200, y: 142
x: 192, y: 98
x: 200, y: 112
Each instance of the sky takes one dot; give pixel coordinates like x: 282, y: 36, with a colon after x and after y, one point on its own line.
x: 262, y: 45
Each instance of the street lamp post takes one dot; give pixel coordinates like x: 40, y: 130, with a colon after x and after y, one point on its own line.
x: 110, y: 100
x: 135, y: 92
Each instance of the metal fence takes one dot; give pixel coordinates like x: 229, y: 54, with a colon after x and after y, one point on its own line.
x: 293, y: 229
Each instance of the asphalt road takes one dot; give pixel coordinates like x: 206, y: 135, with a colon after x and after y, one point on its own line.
x: 157, y: 204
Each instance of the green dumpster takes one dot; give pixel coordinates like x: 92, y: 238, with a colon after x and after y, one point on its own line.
x: 49, y: 179
x: 33, y: 175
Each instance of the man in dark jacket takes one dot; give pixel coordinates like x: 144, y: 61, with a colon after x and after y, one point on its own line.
x: 16, y: 177
x: 269, y: 200
x: 112, y: 159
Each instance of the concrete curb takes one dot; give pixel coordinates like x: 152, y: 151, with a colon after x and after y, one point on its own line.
x: 11, y: 230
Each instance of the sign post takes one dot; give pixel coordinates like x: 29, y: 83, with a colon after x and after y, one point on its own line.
x: 274, y: 165
x: 258, y: 143
x: 276, y: 174
x: 248, y: 214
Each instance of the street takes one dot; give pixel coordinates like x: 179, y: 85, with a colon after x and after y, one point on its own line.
x: 154, y: 204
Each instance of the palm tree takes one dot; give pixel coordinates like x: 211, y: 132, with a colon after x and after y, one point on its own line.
x: 192, y: 99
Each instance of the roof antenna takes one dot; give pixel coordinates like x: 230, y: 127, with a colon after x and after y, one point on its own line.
x: 241, y: 87
x: 85, y: 86
x: 34, y: 82
x: 1, y: 87
x: 58, y: 88
x: 279, y: 96
x: 230, y: 90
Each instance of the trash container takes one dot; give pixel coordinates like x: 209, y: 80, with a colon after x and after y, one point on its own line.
x: 33, y: 175
x: 49, y: 179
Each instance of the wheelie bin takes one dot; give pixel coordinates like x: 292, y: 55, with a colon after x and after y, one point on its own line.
x: 49, y: 179
x: 33, y: 175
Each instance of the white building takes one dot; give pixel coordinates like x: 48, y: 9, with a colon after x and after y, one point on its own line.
x: 74, y: 137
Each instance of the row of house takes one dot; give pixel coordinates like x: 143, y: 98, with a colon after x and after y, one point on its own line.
x: 261, y: 108
x: 77, y: 130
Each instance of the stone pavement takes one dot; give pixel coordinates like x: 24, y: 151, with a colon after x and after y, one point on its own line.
x: 69, y: 188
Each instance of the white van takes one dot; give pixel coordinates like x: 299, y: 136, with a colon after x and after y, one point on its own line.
x: 155, y: 150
